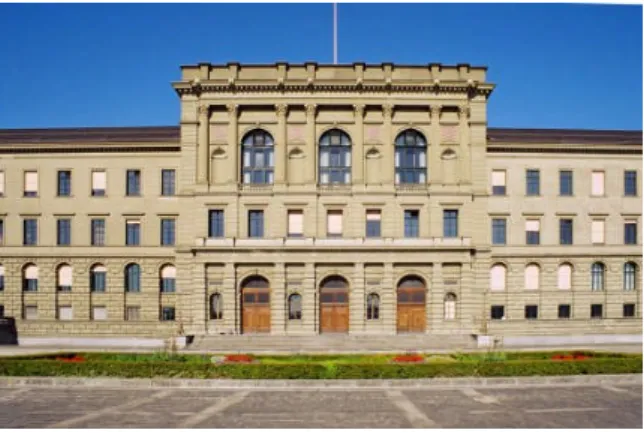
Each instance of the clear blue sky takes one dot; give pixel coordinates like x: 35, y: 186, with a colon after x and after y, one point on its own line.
x: 555, y: 66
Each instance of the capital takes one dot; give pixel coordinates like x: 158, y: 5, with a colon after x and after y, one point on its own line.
x: 359, y: 110
x: 204, y: 109
x: 436, y: 110
x: 281, y: 109
x: 464, y: 111
x: 311, y: 109
x: 232, y: 109
x: 387, y: 110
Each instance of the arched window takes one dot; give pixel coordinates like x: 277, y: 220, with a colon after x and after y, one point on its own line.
x: 167, y: 279
x: 258, y: 161
x: 450, y: 306
x: 497, y: 277
x: 630, y: 273
x: 1, y: 278
x: 64, y: 278
x: 132, y: 278
x: 410, y: 157
x: 564, y: 276
x: 373, y: 306
x: 30, y: 278
x: 295, y: 307
x: 532, y: 277
x: 97, y: 278
x: 216, y: 307
x: 597, y: 276
x: 335, y: 157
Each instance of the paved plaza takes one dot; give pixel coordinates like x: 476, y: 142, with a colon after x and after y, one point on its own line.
x: 601, y: 405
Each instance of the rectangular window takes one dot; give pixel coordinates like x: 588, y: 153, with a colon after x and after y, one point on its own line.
x: 216, y: 223
x: 167, y: 313
x: 133, y: 313
x: 498, y: 231
x: 531, y: 312
x: 596, y: 311
x: 411, y: 224
x: 63, y: 231
x: 99, y: 313
x: 99, y: 183
x: 597, y: 231
x: 167, y: 231
x: 373, y: 223
x: 98, y: 232
x: 565, y: 182
x: 1, y: 183
x: 30, y: 312
x: 256, y: 224
x: 64, y: 183
x: 629, y: 310
x: 497, y: 312
x: 132, y: 232
x: 450, y: 223
x: 498, y: 182
x: 597, y: 188
x: 65, y: 312
x: 565, y: 231
x: 334, y: 223
x: 133, y: 187
x: 31, y: 184
x: 630, y: 183
x: 30, y: 231
x: 532, y: 182
x: 532, y: 232
x: 563, y: 311
x: 630, y: 233
x: 167, y: 182
x: 295, y: 223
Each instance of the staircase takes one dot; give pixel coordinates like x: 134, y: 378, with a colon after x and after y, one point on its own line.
x: 330, y: 343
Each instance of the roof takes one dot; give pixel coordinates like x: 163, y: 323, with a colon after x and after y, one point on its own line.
x: 171, y: 134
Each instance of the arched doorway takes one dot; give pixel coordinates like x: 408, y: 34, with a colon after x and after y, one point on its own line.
x: 334, y: 305
x: 255, y: 305
x: 411, y: 293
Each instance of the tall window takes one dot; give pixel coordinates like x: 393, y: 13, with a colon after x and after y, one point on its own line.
x: 498, y: 182
x: 450, y: 306
x: 532, y: 232
x: 630, y: 232
x: 216, y: 307
x: 98, y: 232
x: 410, y: 157
x: 565, y: 231
x: 30, y: 231
x: 564, y: 277
x: 167, y: 231
x: 335, y: 157
x: 532, y: 277
x: 597, y: 276
x: 411, y: 224
x: 64, y: 183
x: 31, y: 184
x: 63, y: 231
x: 99, y: 183
x: 630, y: 273
x: 132, y: 278
x: 295, y: 307
x: 373, y: 223
x: 532, y: 182
x: 597, y: 231
x: 295, y: 223
x: 256, y: 224
x: 133, y: 186
x: 64, y: 278
x: 498, y: 231
x: 630, y: 183
x: 450, y: 223
x: 565, y: 182
x: 373, y: 306
x: 215, y: 223
x: 168, y: 278
x: 497, y: 277
x: 257, y: 148
x: 597, y: 187
x: 132, y: 232
x: 167, y: 182
x: 30, y: 278
x: 334, y: 223
x: 98, y: 278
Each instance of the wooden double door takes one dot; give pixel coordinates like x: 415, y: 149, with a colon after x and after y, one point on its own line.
x: 256, y: 311
x: 334, y: 307
x: 411, y: 314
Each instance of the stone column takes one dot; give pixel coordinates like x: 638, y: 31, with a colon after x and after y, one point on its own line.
x: 434, y: 299
x: 278, y: 300
x: 311, y: 157
x: 388, y: 150
x: 388, y: 307
x: 233, y: 143
x: 309, y: 300
x: 280, y: 145
x: 358, y: 146
x: 434, y: 150
x: 231, y: 297
x: 464, y: 166
x: 204, y: 143
x: 357, y: 301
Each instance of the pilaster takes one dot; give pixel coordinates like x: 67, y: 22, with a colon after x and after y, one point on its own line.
x: 434, y: 148
x: 434, y: 300
x: 203, y: 144
x: 358, y: 146
x: 388, y: 151
x: 280, y: 146
x: 278, y: 300
x: 464, y: 134
x: 388, y: 300
x: 357, y: 317
x: 310, y: 155
x: 233, y: 143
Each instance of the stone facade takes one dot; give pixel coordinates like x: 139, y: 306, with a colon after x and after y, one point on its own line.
x: 372, y: 105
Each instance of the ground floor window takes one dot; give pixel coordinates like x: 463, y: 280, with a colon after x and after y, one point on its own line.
x: 596, y: 311
x: 629, y: 310
x: 497, y: 312
x: 564, y: 311
x: 295, y: 307
x: 216, y: 307
x: 167, y: 313
x: 373, y: 306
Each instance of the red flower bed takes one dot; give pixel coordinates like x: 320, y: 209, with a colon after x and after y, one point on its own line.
x: 243, y: 359
x: 577, y: 356
x: 72, y: 358
x: 408, y: 358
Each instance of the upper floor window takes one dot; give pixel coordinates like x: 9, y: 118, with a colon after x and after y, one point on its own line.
x: 335, y: 157
x: 630, y: 272
x: 597, y: 231
x: 498, y: 231
x: 373, y: 223
x: 31, y: 184
x: 99, y: 183
x: 258, y: 160
x: 450, y: 223
x: 295, y: 223
x: 597, y: 187
x: 334, y: 223
x: 630, y: 183
x: 565, y: 231
x: 532, y: 184
x: 256, y: 224
x: 410, y: 157
x: 64, y: 183
x: 64, y: 278
x: 531, y: 277
x: 630, y: 232
x: 565, y: 182
x: 411, y: 224
x: 98, y: 278
x: 498, y: 277
x: 30, y: 278
x: 132, y: 278
x: 168, y: 278
x: 63, y: 231
x: 216, y: 223
x: 597, y: 276
x: 532, y: 232
x: 30, y: 231
x: 133, y: 187
x: 1, y: 183
x: 498, y: 182
x: 564, y: 276
x: 167, y: 231
x: 167, y: 182
x: 133, y: 232
x: 98, y: 232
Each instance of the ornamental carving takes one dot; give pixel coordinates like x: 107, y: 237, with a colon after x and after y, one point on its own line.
x: 358, y: 110
x: 281, y: 109
x: 436, y: 111
x: 232, y: 109
x: 204, y: 109
x: 464, y: 111
x: 387, y: 110
x: 311, y: 109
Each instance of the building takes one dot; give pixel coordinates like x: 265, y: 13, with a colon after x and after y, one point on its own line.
x: 305, y: 199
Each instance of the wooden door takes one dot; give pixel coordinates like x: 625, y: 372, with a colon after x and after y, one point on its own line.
x: 256, y: 311
x: 334, y: 312
x: 411, y: 315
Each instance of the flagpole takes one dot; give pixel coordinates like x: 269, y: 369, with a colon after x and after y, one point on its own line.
x: 335, y: 33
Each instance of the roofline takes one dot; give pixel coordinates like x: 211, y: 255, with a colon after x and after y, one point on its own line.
x: 339, y: 65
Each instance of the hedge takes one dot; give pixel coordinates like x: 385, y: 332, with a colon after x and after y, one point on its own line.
x: 320, y: 370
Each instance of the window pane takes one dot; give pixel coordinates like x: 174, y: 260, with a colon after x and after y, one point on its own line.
x: 532, y: 182
x: 630, y: 183
x: 565, y: 183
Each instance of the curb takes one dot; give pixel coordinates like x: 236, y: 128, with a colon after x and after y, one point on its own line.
x: 435, y: 383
